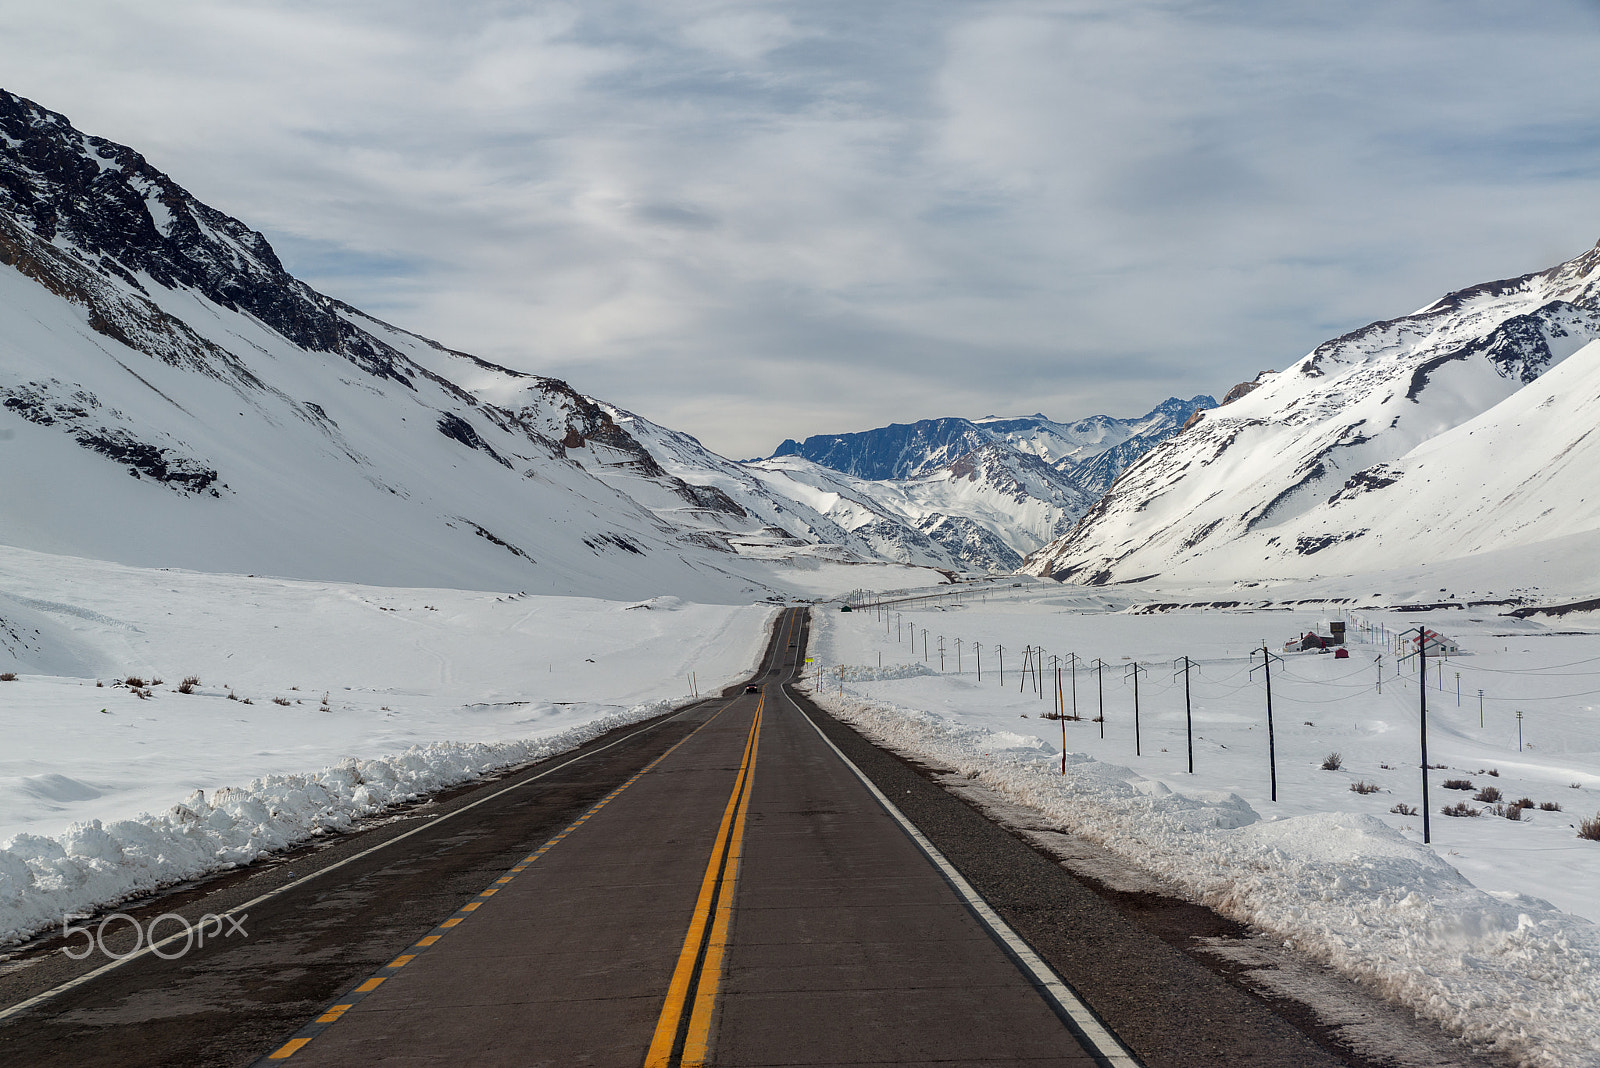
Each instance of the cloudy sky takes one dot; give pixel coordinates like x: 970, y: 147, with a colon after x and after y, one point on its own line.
x: 759, y: 220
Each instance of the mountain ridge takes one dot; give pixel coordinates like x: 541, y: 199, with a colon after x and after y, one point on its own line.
x: 1322, y: 466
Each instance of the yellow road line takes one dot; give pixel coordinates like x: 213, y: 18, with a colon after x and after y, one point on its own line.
x: 697, y: 1046
x: 679, y: 990
x: 333, y: 1013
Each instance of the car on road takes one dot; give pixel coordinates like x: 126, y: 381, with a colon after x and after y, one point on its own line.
x: 752, y: 688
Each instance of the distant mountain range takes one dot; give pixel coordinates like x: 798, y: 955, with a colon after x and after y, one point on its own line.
x: 910, y: 450
x: 1465, y: 429
x: 986, y: 491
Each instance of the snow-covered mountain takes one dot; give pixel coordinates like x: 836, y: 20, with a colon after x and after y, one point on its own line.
x: 973, y: 494
x: 1466, y: 428
x: 984, y: 511
x: 907, y: 450
x: 171, y: 396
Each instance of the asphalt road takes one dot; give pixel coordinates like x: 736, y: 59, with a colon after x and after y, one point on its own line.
x: 720, y: 886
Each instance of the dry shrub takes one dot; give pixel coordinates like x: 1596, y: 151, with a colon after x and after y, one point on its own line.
x: 1332, y: 762
x: 1527, y: 802
x: 1364, y: 787
x: 1589, y: 829
x: 1403, y: 809
x: 1549, y: 806
x: 1490, y: 794
x: 1513, y: 812
x: 188, y: 684
x: 1460, y: 808
x: 8, y: 676
x: 1457, y: 784
x: 280, y: 700
x: 135, y: 681
x: 1493, y: 771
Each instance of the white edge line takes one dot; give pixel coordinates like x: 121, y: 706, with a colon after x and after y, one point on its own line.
x: 1106, y: 1045
x: 70, y: 984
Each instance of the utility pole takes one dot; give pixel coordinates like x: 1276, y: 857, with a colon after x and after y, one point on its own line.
x: 1480, y: 709
x: 1027, y: 658
x: 1422, y: 718
x: 1188, y: 719
x: 1072, y: 659
x: 941, y: 654
x: 958, y: 656
x: 1099, y: 677
x: 1267, y: 658
x: 1134, y: 669
x: 977, y: 647
x: 1061, y: 714
x: 1001, y: 653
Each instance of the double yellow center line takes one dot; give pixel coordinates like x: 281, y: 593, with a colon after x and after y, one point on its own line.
x: 698, y: 975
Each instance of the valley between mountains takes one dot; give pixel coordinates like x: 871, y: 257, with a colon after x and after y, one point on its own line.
x: 282, y: 583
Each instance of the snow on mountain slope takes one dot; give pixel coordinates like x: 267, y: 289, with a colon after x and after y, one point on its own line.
x: 1433, y: 435
x: 984, y: 511
x: 1093, y: 451
x: 171, y: 396
x: 908, y: 450
x: 975, y: 494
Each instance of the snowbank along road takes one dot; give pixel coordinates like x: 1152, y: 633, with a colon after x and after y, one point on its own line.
x: 737, y: 883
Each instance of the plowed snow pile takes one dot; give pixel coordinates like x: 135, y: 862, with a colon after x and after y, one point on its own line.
x: 316, y: 704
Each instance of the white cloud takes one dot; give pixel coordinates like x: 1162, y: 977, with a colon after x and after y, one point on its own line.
x: 765, y: 220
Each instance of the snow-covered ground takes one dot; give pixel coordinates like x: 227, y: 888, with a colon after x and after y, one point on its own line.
x: 318, y: 703
x: 1489, y: 930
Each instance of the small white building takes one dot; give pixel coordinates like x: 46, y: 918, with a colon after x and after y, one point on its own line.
x: 1438, y: 644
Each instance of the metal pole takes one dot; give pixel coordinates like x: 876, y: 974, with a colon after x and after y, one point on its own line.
x: 1480, y: 708
x: 1001, y: 653
x: 1519, y: 731
x: 1272, y: 743
x: 1458, y: 689
x: 1061, y: 713
x: 1135, y: 669
x: 977, y: 647
x: 1188, y: 717
x: 1099, y: 676
x: 1422, y: 715
x: 1072, y: 659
